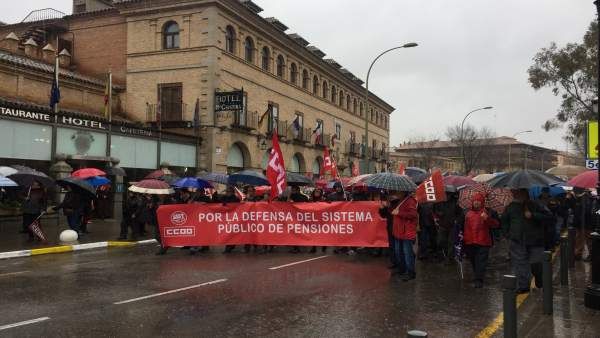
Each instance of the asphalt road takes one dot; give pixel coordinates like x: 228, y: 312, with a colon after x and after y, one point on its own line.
x: 130, y: 292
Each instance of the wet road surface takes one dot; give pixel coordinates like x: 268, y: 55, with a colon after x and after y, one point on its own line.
x: 133, y: 293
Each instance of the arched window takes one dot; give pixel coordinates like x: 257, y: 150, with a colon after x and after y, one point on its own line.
x: 249, y: 50
x: 362, y: 109
x: 265, y: 56
x: 315, y: 85
x: 171, y: 35
x: 354, y: 106
x: 333, y: 94
x: 280, y: 66
x: 305, y: 79
x: 325, y: 90
x: 348, y: 102
x: 341, y: 98
x: 230, y: 39
x: 294, y: 73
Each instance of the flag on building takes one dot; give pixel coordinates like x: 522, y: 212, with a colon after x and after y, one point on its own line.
x: 276, y: 169
x: 55, y: 91
x: 355, y: 170
x: 401, y: 169
x: 432, y: 190
x: 262, y: 117
x: 329, y: 164
x: 197, y: 116
x: 108, y: 97
x: 296, y: 126
x: 318, y: 132
x: 334, y: 137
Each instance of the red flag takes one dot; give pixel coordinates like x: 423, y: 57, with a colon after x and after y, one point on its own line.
x: 432, y: 189
x: 401, y: 169
x: 355, y: 170
x: 328, y: 164
x: 276, y: 169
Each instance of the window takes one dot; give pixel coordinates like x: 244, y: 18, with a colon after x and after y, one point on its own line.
x: 305, y: 79
x: 273, y: 116
x: 325, y: 90
x: 354, y: 106
x: 362, y: 110
x: 333, y: 94
x: 171, y: 35
x: 293, y: 73
x: 249, y: 50
x: 341, y: 98
x: 298, y: 127
x: 315, y: 85
x: 170, y: 96
x: 338, y: 131
x: 280, y: 66
x: 371, y: 116
x: 265, y: 58
x: 319, y: 132
x: 348, y: 100
x: 230, y: 39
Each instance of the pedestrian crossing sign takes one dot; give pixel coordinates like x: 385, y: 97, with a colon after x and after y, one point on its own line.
x: 592, y: 140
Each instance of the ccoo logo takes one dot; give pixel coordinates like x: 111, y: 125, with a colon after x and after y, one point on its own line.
x: 178, y: 218
x: 179, y: 232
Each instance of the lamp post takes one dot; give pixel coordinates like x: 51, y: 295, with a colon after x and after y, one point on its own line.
x: 462, y: 141
x: 527, y: 152
x: 592, y: 292
x: 366, y: 159
x: 510, y: 147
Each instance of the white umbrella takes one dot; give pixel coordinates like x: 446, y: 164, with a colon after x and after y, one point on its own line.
x: 7, y: 182
x: 7, y: 171
x: 483, y: 178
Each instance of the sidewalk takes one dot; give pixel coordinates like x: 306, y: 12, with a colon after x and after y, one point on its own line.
x: 100, y: 231
x: 570, y: 318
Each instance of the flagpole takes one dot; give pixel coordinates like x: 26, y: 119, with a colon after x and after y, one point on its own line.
x: 108, y: 110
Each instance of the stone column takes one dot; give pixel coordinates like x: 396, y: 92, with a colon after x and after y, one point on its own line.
x: 118, y: 189
x: 58, y: 170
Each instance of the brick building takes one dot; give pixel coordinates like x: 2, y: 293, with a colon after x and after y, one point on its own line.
x: 165, y: 56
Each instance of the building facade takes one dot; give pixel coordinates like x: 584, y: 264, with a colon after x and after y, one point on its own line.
x: 171, y: 59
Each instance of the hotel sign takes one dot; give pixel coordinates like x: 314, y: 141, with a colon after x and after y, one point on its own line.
x: 229, y: 101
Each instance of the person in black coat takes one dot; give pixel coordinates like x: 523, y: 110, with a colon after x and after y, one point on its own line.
x: 35, y: 203
x: 315, y: 197
x: 72, y: 206
x: 297, y: 197
x: 389, y: 202
x: 229, y: 197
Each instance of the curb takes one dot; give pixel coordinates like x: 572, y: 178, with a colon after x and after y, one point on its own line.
x: 71, y: 248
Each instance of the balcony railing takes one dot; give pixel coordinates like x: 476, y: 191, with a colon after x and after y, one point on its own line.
x: 244, y: 120
x: 352, y: 148
x: 173, y: 112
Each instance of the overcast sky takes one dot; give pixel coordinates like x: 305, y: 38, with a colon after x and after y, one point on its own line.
x: 471, y: 53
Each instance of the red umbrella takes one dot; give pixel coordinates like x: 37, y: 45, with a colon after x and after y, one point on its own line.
x: 152, y: 187
x: 496, y: 199
x: 87, y: 173
x: 156, y: 174
x: 586, y: 180
x: 321, y: 183
x: 459, y: 181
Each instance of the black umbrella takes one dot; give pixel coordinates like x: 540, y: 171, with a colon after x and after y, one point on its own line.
x: 417, y: 175
x: 524, y: 179
x: 215, y: 178
x: 77, y: 185
x: 390, y: 181
x: 115, y: 171
x: 295, y: 179
x: 25, y: 176
x: 249, y: 177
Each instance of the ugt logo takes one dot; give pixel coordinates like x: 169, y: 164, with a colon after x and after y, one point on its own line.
x: 178, y: 218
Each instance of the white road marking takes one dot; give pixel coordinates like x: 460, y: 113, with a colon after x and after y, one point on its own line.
x: 13, y: 273
x: 170, y: 292
x: 27, y: 322
x: 295, y: 263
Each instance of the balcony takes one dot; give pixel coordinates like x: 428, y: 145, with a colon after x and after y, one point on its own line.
x: 303, y: 136
x: 172, y: 116
x: 352, y: 148
x: 244, y: 120
x: 282, y: 129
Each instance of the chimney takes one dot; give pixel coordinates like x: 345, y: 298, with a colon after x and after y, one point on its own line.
x: 10, y: 42
x: 64, y: 58
x: 31, y: 49
x: 49, y: 54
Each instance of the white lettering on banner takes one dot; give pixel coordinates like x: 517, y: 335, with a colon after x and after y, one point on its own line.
x: 430, y: 191
x: 275, y: 164
x: 237, y: 228
x: 23, y: 114
x: 180, y: 232
x: 210, y: 217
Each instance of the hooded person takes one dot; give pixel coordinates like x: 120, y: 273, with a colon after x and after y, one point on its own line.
x: 477, y: 236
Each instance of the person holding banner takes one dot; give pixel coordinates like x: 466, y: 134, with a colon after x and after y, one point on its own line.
x: 405, y: 219
x: 297, y: 197
x: 477, y: 237
x: 315, y: 197
x: 338, y: 195
x: 229, y: 197
x: 389, y: 202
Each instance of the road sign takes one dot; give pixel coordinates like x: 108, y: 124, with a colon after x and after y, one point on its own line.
x: 592, y: 140
x: 591, y: 164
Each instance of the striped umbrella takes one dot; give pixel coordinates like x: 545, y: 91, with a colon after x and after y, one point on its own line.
x: 390, y: 181
x: 152, y: 187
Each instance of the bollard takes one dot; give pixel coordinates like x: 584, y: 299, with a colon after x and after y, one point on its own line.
x: 571, y: 251
x: 416, y: 333
x: 564, y: 261
x: 509, y: 305
x: 547, y: 282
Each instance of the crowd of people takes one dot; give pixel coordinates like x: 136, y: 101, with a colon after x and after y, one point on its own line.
x: 441, y: 232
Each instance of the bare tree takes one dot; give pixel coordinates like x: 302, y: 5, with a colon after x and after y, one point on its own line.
x: 472, y: 143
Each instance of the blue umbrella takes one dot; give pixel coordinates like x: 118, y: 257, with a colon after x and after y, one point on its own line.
x: 97, y: 181
x: 7, y: 182
x: 557, y: 190
x: 192, y: 182
x: 248, y: 177
x: 215, y: 178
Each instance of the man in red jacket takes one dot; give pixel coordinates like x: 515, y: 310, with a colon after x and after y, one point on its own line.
x: 477, y: 237
x: 404, y: 231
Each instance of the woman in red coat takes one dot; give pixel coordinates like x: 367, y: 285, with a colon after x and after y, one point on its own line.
x: 404, y: 231
x: 477, y: 237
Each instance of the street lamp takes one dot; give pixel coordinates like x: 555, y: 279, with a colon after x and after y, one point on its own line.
x: 527, y: 152
x: 366, y: 159
x: 510, y: 146
x: 462, y: 141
